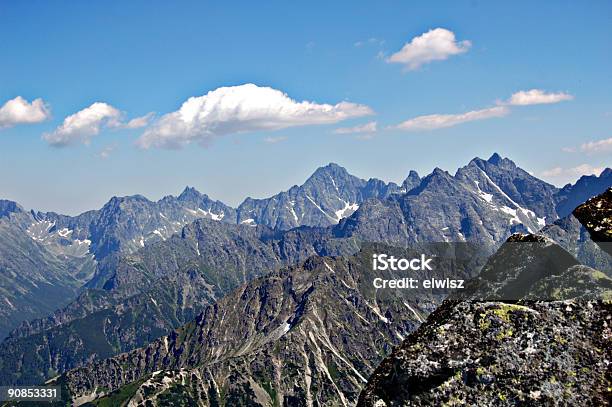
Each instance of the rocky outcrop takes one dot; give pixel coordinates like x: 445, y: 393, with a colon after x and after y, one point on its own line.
x: 596, y: 216
x: 501, y: 354
x: 570, y: 234
x: 532, y: 329
x: 572, y: 195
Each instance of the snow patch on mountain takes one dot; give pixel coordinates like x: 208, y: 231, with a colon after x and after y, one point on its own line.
x: 348, y: 210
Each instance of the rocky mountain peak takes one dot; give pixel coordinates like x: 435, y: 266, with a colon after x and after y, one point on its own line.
x: 570, y: 196
x: 437, y: 175
x: 412, y: 181
x: 189, y: 194
x: 8, y: 207
x: 495, y: 162
x: 495, y: 159
x: 413, y: 175
x: 330, y: 170
x: 116, y: 201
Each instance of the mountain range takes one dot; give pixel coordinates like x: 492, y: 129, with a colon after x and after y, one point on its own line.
x: 313, y: 334
x: 134, y: 271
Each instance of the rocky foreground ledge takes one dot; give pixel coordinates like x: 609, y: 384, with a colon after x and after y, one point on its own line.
x: 596, y: 216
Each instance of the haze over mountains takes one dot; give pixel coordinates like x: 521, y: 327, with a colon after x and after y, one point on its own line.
x: 74, y: 290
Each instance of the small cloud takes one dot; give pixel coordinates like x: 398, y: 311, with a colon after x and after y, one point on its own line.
x: 564, y: 175
x: 600, y: 146
x: 241, y: 109
x: 537, y: 97
x: 369, y: 41
x: 435, y: 45
x: 106, y: 152
x: 20, y: 111
x: 81, y: 126
x: 592, y: 147
x: 310, y: 45
x: 274, y: 140
x: 439, y: 121
x: 369, y: 127
x: 139, y: 122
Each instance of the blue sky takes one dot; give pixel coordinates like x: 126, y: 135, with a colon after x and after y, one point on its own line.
x: 142, y: 57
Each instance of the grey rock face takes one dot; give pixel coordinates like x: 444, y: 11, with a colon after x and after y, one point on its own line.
x: 511, y: 186
x: 596, y: 216
x: 126, y: 224
x: 329, y: 195
x: 499, y: 354
x: 521, y: 187
x: 8, y: 207
x: 412, y: 181
x: 75, y: 251
x: 570, y: 234
x: 443, y: 208
x: 486, y: 201
x: 570, y: 196
x: 36, y: 276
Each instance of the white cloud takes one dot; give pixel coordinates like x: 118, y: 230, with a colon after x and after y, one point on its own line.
x: 106, y: 151
x: 537, y: 97
x: 274, y: 140
x: 135, y: 123
x: 81, y: 126
x: 138, y: 122
x: 19, y: 111
x: 369, y: 127
x: 571, y: 174
x: 84, y: 124
x: 369, y: 41
x: 439, y: 121
x: 240, y: 109
x: 600, y: 146
x: 435, y: 45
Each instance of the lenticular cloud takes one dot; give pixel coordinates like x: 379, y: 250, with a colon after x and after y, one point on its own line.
x: 240, y: 109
